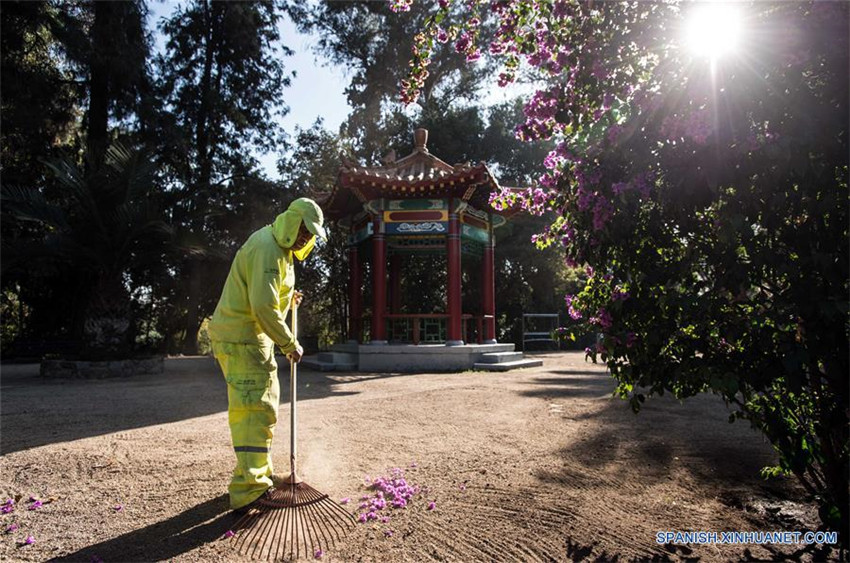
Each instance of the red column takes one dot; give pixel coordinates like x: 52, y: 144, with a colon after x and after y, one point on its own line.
x: 395, y: 283
x: 355, y: 283
x: 488, y: 290
x: 379, y: 283
x: 454, y: 336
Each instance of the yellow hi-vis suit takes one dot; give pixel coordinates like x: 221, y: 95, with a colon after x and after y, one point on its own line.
x: 248, y: 321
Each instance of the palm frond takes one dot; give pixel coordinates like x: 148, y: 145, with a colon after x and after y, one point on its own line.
x: 29, y: 204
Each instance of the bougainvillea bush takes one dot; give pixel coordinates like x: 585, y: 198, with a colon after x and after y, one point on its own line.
x: 707, y: 197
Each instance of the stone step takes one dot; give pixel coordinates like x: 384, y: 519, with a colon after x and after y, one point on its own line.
x: 507, y: 366
x: 314, y: 363
x: 499, y: 357
x: 337, y: 357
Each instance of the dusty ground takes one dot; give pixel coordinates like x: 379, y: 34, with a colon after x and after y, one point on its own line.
x: 540, y: 464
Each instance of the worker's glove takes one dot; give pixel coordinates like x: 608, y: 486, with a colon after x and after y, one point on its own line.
x: 295, y: 355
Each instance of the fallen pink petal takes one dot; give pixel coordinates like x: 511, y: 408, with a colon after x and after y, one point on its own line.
x: 29, y: 541
x: 11, y: 528
x: 346, y: 500
x: 34, y: 506
x: 318, y: 554
x: 432, y: 505
x: 229, y: 534
x: 118, y: 507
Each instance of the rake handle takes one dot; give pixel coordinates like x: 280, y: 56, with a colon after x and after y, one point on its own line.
x: 293, y: 377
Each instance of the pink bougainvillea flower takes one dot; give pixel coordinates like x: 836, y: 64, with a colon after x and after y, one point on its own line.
x: 34, y: 506
x: 432, y: 505
x: 319, y: 553
x: 362, y: 518
x: 229, y: 534
x: 7, y: 508
x: 11, y: 528
x: 29, y: 541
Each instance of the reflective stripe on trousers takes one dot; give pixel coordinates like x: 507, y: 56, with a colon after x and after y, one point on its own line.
x: 253, y: 393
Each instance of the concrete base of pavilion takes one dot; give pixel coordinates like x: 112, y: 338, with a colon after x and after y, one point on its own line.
x: 409, y: 358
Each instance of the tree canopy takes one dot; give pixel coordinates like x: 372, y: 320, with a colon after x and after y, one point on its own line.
x: 707, y: 198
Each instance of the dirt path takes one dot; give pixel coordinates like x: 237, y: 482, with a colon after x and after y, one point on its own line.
x: 540, y: 464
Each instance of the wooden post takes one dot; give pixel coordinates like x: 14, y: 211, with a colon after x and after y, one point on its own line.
x: 355, y: 284
x: 488, y: 289
x: 379, y: 283
x: 454, y: 306
x: 395, y: 283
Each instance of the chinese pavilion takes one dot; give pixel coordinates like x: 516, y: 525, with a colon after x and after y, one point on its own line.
x: 418, y: 204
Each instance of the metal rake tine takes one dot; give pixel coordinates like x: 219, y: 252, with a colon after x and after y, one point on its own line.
x: 336, y: 513
x: 319, y: 524
x: 266, y: 526
x: 281, y: 544
x: 328, y: 518
x: 280, y: 532
x: 316, y: 525
x: 269, y: 522
x: 245, y: 523
x: 260, y: 525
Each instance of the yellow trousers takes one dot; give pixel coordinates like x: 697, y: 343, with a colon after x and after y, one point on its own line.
x: 253, y: 394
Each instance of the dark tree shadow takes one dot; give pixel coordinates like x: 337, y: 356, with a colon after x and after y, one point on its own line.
x: 578, y: 552
x: 164, y: 540
x: 38, y: 411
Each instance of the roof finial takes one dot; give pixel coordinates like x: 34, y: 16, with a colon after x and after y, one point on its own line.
x: 420, y: 139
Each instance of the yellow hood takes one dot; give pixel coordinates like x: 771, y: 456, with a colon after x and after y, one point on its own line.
x: 285, y: 231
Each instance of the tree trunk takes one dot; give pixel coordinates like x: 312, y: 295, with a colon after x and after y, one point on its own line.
x: 108, y: 325
x: 193, y: 308
x: 98, y: 115
x: 201, y: 190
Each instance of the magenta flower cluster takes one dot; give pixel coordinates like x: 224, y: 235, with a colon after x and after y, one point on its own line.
x: 390, y: 492
x: 602, y: 318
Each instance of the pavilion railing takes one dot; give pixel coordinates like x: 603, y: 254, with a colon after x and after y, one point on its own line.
x: 425, y: 328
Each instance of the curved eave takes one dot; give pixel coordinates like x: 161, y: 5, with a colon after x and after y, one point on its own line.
x: 356, y: 186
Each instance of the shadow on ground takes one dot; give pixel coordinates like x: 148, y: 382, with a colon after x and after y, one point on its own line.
x: 665, y: 435
x: 37, y: 411
x: 164, y: 540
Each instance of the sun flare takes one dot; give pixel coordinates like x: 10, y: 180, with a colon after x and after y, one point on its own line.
x: 713, y: 30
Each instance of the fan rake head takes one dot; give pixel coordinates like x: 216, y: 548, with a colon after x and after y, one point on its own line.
x: 291, y: 522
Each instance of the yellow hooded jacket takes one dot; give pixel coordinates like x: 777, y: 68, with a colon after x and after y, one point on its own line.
x: 258, y: 290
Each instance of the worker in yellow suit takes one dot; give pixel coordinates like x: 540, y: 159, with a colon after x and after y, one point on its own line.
x: 246, y: 325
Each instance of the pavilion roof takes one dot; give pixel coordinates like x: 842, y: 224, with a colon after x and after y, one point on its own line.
x: 418, y: 175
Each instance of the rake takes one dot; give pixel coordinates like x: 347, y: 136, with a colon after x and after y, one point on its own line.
x: 293, y: 520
